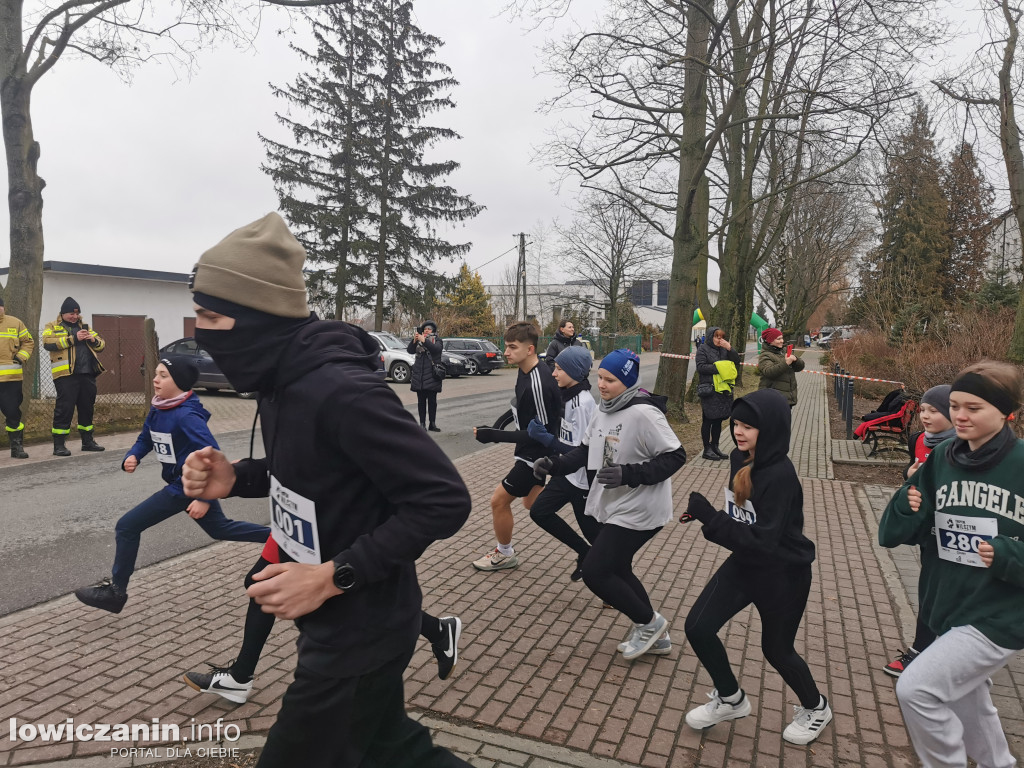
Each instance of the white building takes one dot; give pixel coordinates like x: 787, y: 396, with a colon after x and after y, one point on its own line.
x: 1004, y: 248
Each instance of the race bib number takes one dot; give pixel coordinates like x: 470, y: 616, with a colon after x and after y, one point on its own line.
x: 293, y: 524
x: 163, y: 447
x: 565, y: 433
x: 744, y: 514
x: 959, y: 537
x: 603, y: 452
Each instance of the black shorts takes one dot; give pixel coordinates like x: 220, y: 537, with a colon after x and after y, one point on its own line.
x: 520, y: 480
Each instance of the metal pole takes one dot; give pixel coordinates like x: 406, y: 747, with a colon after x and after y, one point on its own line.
x: 849, y: 409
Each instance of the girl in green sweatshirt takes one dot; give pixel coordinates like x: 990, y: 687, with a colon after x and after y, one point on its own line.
x: 965, y: 506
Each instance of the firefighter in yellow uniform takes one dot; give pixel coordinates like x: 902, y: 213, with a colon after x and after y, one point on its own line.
x: 75, y: 366
x: 16, y: 347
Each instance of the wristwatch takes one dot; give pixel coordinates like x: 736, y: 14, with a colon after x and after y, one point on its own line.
x: 344, y: 576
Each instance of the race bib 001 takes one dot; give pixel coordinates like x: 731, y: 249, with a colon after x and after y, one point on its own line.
x: 744, y: 514
x: 163, y: 447
x: 293, y: 524
x: 959, y: 537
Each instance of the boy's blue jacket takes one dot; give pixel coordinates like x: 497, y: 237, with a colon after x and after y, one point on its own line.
x: 186, y: 426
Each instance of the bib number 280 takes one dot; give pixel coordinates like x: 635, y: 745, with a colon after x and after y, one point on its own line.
x: 960, y: 536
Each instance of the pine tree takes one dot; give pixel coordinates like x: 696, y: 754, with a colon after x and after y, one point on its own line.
x: 468, y: 306
x: 968, y: 221
x: 323, y: 181
x: 356, y: 186
x: 902, y: 279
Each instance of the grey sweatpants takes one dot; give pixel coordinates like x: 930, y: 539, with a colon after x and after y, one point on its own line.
x: 944, y: 695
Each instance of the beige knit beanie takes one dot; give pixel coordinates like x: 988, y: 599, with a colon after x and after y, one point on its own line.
x: 258, y: 266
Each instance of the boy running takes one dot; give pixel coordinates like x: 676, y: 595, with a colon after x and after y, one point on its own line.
x: 536, y: 397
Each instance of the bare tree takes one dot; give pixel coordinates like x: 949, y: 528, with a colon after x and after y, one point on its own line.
x: 712, y: 112
x: 816, y: 254
x: 120, y: 34
x: 990, y: 83
x: 610, y: 245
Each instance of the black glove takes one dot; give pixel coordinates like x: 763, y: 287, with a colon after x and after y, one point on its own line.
x: 610, y: 476
x: 698, y: 508
x: 486, y: 434
x: 542, y: 467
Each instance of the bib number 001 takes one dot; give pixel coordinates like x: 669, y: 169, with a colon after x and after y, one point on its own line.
x: 293, y: 524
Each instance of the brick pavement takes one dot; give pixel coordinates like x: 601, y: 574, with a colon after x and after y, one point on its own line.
x: 538, y: 668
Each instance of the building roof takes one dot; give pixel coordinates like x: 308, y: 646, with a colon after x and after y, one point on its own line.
x: 99, y: 270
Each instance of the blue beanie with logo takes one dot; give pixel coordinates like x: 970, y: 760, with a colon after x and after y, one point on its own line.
x: 575, y: 361
x: 623, y: 365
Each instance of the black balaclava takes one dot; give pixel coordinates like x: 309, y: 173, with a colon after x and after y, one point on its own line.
x: 247, y: 354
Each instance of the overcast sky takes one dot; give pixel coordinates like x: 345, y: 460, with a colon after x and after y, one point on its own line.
x: 150, y: 174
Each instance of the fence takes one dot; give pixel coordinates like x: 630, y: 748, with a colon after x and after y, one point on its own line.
x: 124, y: 389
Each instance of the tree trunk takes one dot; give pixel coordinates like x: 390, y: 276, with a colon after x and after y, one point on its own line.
x: 688, y: 241
x: 1009, y: 136
x: 24, y: 290
x: 386, y: 170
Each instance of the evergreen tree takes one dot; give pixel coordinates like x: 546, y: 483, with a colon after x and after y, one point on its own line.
x: 356, y: 186
x: 902, y: 279
x: 468, y: 306
x: 323, y: 181
x: 968, y: 221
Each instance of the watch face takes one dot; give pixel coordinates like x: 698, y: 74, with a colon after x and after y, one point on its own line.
x: 344, y: 576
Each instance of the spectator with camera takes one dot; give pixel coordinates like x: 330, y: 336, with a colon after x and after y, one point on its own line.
x: 427, y: 372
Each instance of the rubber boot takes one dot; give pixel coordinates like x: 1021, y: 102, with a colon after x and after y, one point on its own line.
x: 89, y: 442
x: 17, y: 446
x: 59, y: 449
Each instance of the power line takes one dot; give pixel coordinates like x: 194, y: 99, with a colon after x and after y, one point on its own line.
x: 475, y: 269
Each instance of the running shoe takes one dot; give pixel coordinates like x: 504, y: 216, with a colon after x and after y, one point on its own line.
x: 662, y: 647
x: 897, y: 666
x: 717, y: 711
x: 104, y: 594
x: 577, y: 574
x: 495, y: 561
x: 645, y: 637
x: 447, y: 652
x: 808, y: 723
x: 220, y: 681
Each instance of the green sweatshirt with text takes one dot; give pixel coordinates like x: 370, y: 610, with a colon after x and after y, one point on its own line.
x: 960, y: 509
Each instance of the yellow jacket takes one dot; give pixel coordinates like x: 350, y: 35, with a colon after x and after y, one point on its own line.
x: 61, y: 346
x: 16, y: 347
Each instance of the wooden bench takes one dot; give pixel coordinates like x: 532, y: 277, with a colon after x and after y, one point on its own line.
x: 894, y: 427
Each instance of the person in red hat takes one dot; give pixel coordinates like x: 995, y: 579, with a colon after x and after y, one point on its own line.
x: 778, y: 370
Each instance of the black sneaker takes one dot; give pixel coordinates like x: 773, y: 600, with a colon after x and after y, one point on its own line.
x: 578, y: 573
x: 105, y: 595
x: 896, y: 667
x: 433, y: 428
x: 447, y: 652
x: 220, y: 681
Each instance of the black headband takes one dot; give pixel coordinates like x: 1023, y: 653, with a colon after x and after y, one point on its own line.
x: 976, y: 384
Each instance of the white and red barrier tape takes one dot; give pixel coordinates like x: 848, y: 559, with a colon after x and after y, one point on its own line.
x: 820, y: 373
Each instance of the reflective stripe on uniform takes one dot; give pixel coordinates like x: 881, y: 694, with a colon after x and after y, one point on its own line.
x: 60, y: 431
x: 18, y: 428
x: 84, y: 429
x: 59, y: 368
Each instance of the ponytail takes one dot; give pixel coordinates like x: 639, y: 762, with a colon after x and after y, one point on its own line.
x: 742, y: 485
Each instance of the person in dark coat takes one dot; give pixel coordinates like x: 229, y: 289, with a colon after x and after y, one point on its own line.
x: 427, y: 347
x: 564, y: 338
x: 716, y: 406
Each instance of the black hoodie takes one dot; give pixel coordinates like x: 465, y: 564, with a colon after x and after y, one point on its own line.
x: 335, y: 434
x: 776, y: 536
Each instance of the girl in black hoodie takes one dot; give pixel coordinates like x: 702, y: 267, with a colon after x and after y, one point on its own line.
x: 770, y: 566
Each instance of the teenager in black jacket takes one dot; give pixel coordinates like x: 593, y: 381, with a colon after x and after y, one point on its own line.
x: 769, y: 566
x: 357, y: 492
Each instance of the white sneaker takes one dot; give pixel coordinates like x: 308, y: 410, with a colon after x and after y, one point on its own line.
x: 662, y: 647
x: 808, y: 724
x: 717, y: 711
x: 495, y: 561
x: 219, y: 681
x: 645, y: 637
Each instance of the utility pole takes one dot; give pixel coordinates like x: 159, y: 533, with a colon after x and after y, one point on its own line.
x: 521, y: 272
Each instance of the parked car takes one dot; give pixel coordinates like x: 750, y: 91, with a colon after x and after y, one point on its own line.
x: 398, y: 362
x: 210, y: 377
x: 482, y: 356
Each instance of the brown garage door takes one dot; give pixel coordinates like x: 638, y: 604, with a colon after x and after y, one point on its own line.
x: 124, y: 353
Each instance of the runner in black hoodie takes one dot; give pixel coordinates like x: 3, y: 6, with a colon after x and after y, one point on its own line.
x: 357, y: 493
x: 770, y: 566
